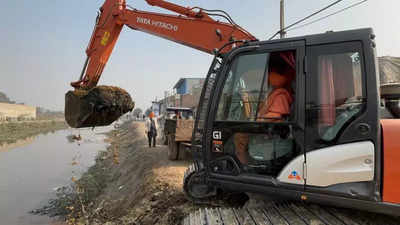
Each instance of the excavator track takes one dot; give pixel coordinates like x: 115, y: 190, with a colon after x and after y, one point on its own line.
x: 286, y: 213
x: 194, y: 186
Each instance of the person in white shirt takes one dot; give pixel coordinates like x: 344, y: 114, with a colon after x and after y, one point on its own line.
x: 151, y: 129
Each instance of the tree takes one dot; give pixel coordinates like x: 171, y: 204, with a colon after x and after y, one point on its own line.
x: 137, y: 112
x: 4, y: 98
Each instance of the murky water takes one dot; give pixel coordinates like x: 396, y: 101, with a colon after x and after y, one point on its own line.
x: 31, y: 170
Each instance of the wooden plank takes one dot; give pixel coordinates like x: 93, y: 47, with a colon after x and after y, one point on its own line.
x: 286, y: 214
x: 192, y: 218
x: 258, y: 216
x: 186, y: 220
x: 273, y: 215
x: 323, y: 214
x: 213, y: 217
x: 184, y: 130
x: 245, y: 217
x: 291, y: 217
x: 306, y: 215
x: 351, y: 216
x: 228, y: 216
x: 342, y: 216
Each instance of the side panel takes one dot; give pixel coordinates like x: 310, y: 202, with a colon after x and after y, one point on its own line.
x: 293, y: 173
x: 339, y: 164
x: 391, y: 160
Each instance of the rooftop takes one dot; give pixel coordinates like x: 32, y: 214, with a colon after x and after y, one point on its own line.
x: 180, y: 81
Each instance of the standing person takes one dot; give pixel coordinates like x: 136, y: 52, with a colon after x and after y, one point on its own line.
x: 151, y: 129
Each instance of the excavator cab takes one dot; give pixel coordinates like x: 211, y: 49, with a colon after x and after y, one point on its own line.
x: 324, y: 147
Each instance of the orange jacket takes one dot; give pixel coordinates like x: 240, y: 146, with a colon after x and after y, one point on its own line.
x: 276, y: 106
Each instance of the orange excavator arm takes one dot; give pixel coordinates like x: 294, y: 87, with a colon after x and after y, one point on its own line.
x: 90, y: 105
x: 193, y: 27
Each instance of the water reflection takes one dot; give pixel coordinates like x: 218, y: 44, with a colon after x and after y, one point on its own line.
x: 30, y: 170
x: 18, y: 144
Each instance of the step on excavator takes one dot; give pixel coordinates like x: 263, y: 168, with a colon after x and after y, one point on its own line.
x: 299, y: 118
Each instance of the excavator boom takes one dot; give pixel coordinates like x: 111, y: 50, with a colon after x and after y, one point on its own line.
x: 193, y: 27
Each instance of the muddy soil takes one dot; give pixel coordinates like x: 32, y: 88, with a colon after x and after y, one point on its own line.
x: 144, y: 187
x: 129, y: 184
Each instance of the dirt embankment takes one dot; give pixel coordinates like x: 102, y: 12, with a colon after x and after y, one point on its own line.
x: 143, y: 186
x: 130, y: 183
x: 11, y: 132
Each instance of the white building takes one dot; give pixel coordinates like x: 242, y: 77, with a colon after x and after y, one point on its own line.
x: 16, y: 112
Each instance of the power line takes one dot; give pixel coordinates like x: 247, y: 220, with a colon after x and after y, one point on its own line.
x: 329, y: 15
x: 305, y: 18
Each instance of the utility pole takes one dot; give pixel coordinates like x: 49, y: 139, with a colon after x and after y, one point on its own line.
x: 282, y: 32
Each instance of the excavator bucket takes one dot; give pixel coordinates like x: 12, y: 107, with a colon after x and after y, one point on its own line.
x: 100, y: 106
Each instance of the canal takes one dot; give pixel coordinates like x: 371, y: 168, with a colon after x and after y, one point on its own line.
x: 32, y: 169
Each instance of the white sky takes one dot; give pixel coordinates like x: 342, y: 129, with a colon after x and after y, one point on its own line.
x: 43, y: 43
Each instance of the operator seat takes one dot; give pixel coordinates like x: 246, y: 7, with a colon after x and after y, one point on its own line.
x: 273, y: 150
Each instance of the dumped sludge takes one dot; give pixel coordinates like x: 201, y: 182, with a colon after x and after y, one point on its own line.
x: 100, y: 106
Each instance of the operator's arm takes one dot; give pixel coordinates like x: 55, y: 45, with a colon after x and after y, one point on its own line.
x: 192, y: 28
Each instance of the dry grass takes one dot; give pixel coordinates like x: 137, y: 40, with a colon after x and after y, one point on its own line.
x: 11, y: 132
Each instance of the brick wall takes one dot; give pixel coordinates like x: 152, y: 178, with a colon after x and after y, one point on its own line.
x: 188, y: 101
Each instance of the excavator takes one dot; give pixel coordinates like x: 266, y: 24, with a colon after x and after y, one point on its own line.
x: 303, y: 118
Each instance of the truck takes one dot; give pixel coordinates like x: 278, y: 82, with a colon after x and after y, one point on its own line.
x: 177, y: 128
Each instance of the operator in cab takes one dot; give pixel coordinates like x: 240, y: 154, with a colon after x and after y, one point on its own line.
x: 275, y: 108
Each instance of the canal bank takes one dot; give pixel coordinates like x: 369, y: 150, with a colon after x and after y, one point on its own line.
x: 34, y: 168
x: 12, y: 132
x: 130, y: 183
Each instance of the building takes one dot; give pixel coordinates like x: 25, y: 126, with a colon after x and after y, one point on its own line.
x: 186, y: 94
x: 185, y: 85
x: 16, y: 112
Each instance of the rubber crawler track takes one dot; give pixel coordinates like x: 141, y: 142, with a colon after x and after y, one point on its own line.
x: 286, y: 213
x: 195, y: 167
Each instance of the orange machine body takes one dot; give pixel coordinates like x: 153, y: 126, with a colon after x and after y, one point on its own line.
x: 391, y: 160
x: 191, y: 27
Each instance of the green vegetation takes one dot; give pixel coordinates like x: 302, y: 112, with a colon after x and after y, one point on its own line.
x: 4, y: 98
x: 11, y: 132
x: 44, y: 114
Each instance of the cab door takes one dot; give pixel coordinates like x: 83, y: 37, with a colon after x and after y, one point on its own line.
x: 240, y: 138
x: 341, y: 118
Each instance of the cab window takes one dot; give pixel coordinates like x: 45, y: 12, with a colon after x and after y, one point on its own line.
x: 242, y: 88
x: 259, y: 92
x: 259, y: 87
x: 339, y: 92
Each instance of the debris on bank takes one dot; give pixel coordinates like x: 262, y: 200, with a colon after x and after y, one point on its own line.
x: 129, y: 184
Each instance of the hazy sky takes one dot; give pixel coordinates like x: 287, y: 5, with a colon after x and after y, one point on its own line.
x: 43, y: 43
